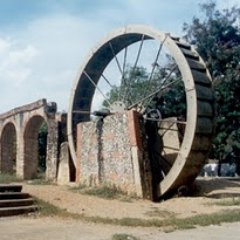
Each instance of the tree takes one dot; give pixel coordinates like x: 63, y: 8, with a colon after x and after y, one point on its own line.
x: 217, y: 39
x: 42, y: 147
x: 133, y: 87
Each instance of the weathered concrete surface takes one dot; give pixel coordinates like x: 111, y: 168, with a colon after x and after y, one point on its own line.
x: 57, y: 229
x: 171, y: 144
x: 63, y: 176
x: 19, y: 130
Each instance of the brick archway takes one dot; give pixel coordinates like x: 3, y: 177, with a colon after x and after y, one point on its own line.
x: 27, y: 120
x: 8, y: 148
x: 31, y: 151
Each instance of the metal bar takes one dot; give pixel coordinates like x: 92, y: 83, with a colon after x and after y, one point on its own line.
x: 162, y: 120
x: 95, y: 85
x: 152, y: 94
x: 115, y: 57
x: 166, y: 161
x: 155, y: 64
x: 181, y: 122
x: 165, y: 80
x: 135, y: 64
x: 123, y: 77
x: 168, y: 129
x: 107, y: 81
x: 139, y: 52
x: 169, y: 74
x: 82, y: 112
x: 125, y: 59
x: 172, y: 148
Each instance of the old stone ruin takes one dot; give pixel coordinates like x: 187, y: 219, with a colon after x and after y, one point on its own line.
x: 131, y: 143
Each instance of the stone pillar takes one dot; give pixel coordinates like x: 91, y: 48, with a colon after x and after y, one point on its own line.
x: 63, y: 176
x: 20, y: 146
x: 79, y: 147
x: 52, y: 149
x: 87, y: 167
x: 136, y: 148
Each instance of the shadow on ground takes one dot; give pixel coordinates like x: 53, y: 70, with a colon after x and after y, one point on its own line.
x: 217, y: 187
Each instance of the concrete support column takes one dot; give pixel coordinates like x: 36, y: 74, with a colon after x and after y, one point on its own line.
x: 79, y: 147
x: 136, y: 149
x: 52, y: 150
x: 19, y: 147
x: 63, y: 176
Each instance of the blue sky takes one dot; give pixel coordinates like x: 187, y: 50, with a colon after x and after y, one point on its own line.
x: 43, y: 42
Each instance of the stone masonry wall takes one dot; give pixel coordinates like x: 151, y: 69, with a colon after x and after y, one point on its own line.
x: 109, y: 152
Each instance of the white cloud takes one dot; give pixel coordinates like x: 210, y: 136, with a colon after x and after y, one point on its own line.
x: 15, y: 72
x: 4, y: 45
x: 15, y: 65
x: 42, y: 59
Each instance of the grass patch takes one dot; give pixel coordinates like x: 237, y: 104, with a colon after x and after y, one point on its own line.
x: 39, y: 181
x: 123, y: 236
x: 160, y: 213
x: 104, y: 191
x: 107, y: 192
x: 9, y: 178
x: 228, y: 202
x: 48, y: 209
x: 214, y: 219
x: 226, y: 216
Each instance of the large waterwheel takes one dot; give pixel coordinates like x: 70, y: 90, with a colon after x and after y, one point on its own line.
x: 167, y: 82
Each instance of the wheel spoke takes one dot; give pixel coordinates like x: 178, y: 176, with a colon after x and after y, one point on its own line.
x: 82, y: 112
x: 116, y: 59
x: 164, y: 164
x: 163, y: 82
x: 153, y: 94
x: 106, y: 80
x: 154, y: 65
x: 171, y: 148
x: 123, y: 82
x: 166, y: 161
x: 139, y: 52
x: 95, y: 85
x: 169, y: 75
x: 167, y: 129
x: 161, y: 120
x: 127, y: 92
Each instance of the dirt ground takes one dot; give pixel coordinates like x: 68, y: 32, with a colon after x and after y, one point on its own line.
x: 38, y: 228
x: 207, y: 191
x: 58, y: 229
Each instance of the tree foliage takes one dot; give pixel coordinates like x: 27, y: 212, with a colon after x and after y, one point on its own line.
x: 136, y: 86
x: 42, y: 147
x: 217, y: 39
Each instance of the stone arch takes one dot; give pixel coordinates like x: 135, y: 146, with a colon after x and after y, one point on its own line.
x: 31, y: 152
x: 8, y: 148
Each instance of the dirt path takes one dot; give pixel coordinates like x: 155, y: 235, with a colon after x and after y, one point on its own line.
x: 56, y: 229
x: 210, y: 189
